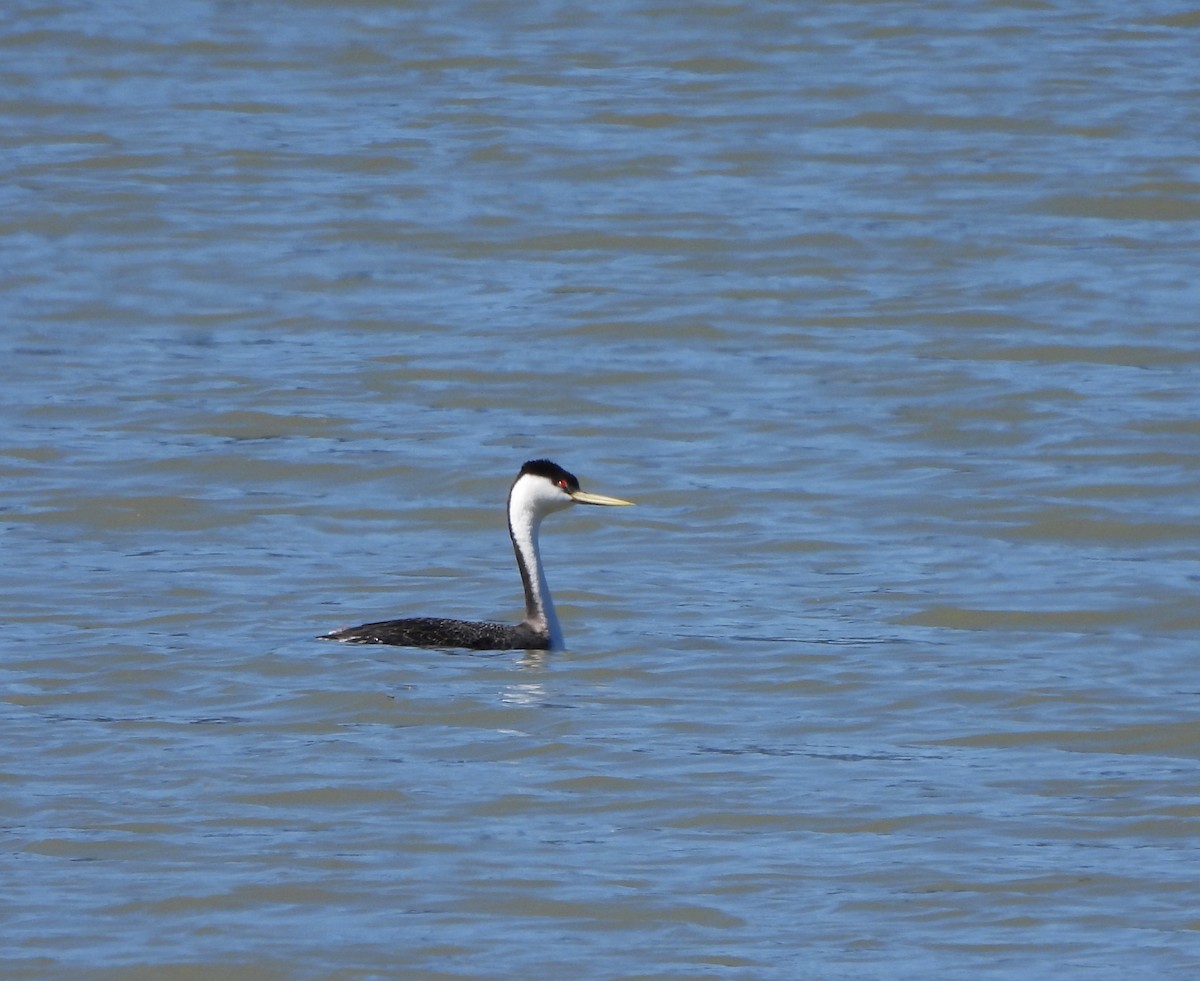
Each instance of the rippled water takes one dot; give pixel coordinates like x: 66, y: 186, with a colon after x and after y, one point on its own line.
x: 885, y: 315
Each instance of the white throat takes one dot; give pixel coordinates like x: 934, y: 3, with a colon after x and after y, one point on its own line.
x: 529, y: 501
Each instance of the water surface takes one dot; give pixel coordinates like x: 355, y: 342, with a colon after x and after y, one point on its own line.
x: 883, y: 313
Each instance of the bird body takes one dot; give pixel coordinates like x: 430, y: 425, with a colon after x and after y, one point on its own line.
x: 475, y: 635
x: 541, y: 488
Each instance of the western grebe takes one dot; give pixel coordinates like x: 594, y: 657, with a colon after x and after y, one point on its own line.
x: 541, y: 488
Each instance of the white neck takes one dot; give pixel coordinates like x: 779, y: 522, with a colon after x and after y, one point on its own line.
x: 530, y: 500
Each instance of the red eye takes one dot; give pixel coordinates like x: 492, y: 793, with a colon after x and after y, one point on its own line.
x: 562, y: 484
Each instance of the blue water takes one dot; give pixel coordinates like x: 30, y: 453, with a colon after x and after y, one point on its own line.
x: 884, y: 314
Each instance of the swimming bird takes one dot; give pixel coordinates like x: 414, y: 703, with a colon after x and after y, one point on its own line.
x: 541, y: 488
